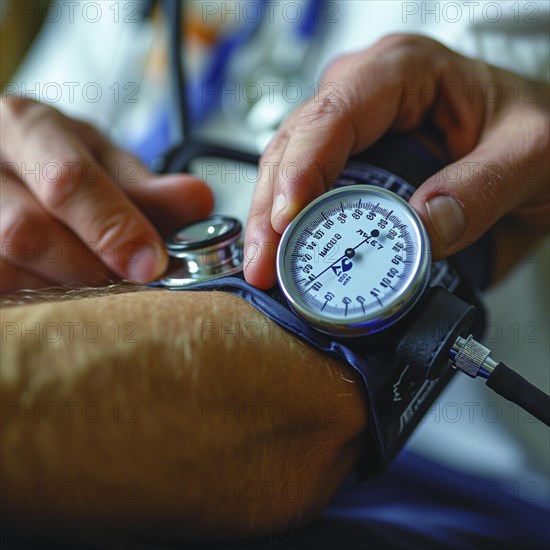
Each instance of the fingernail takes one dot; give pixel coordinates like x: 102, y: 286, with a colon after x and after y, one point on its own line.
x: 448, y: 218
x: 147, y: 264
x: 279, y: 206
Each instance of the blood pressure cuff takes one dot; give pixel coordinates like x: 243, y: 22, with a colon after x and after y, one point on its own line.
x: 397, y: 395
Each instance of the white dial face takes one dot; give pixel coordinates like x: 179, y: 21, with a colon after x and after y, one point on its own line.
x: 355, y: 257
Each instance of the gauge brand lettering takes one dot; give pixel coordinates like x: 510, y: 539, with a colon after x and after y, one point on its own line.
x: 330, y: 244
x: 342, y: 267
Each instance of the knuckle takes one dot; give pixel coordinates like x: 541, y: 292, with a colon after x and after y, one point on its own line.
x: 59, y: 183
x: 87, y: 127
x: 258, y: 215
x: 18, y: 225
x: 30, y: 114
x: 113, y: 228
x: 324, y: 111
x: 337, y: 64
x: 401, y: 41
x: 276, y: 145
x: 538, y: 138
x: 84, y: 128
x: 491, y: 191
x: 13, y: 104
x: 259, y: 223
x: 15, y: 112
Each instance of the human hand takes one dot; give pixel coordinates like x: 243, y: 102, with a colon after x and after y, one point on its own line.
x: 494, y: 125
x: 76, y: 209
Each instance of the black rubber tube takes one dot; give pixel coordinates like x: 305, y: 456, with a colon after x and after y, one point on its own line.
x: 515, y: 388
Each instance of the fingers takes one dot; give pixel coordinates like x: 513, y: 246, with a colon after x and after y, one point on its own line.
x: 260, y: 238
x: 350, y: 112
x: 78, y: 199
x: 505, y: 171
x: 73, y: 188
x: 173, y: 200
x: 33, y: 242
x: 404, y: 83
x: 169, y: 201
x: 361, y: 101
x: 296, y: 167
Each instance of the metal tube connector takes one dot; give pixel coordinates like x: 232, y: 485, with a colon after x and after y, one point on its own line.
x: 470, y: 357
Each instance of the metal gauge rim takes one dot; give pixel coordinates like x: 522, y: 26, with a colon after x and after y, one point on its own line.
x: 234, y: 228
x: 380, y: 318
x: 204, y: 250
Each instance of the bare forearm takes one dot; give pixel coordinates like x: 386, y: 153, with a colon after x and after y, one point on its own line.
x: 190, y: 411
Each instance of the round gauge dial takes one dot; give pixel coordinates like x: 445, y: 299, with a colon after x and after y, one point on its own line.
x: 354, y: 261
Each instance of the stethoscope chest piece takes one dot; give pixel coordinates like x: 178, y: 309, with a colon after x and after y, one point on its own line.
x: 204, y: 250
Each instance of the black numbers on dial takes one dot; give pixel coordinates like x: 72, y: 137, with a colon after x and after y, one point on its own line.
x: 346, y: 248
x: 396, y: 260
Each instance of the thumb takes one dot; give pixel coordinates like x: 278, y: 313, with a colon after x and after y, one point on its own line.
x: 172, y: 200
x: 463, y: 200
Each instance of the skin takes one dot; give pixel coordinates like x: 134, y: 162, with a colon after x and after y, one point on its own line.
x: 175, y: 445
x: 102, y: 222
x: 498, y: 148
x: 98, y: 203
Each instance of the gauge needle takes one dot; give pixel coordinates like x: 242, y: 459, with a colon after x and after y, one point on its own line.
x: 346, y: 255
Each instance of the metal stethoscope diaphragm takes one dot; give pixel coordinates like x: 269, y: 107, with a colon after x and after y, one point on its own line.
x: 204, y: 250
